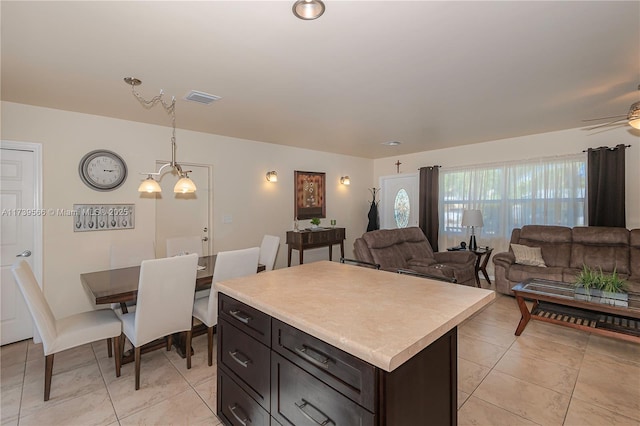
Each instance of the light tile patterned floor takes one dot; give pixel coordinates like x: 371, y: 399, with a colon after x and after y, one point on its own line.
x: 550, y: 375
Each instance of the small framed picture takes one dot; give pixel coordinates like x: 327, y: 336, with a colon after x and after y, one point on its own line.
x: 310, y: 195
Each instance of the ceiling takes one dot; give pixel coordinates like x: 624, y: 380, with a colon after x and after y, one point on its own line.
x: 428, y: 74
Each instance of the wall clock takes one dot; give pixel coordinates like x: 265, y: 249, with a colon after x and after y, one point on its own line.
x: 102, y: 170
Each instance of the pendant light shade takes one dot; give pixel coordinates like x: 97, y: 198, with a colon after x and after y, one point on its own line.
x: 149, y: 185
x: 308, y: 9
x: 184, y: 186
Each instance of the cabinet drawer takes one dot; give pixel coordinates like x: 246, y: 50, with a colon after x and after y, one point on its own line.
x: 247, y: 358
x: 235, y: 407
x: 340, y: 370
x: 301, y: 399
x: 250, y: 320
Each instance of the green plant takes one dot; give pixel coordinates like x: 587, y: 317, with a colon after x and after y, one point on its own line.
x: 592, y: 278
x: 315, y: 221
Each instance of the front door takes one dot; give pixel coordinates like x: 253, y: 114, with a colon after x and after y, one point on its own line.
x: 21, y: 229
x: 183, y: 215
x: 399, y: 201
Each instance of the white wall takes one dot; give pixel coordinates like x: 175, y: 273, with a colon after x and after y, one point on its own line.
x: 240, y: 189
x: 563, y: 142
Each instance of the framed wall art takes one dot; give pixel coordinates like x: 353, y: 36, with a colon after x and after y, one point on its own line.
x: 310, y: 195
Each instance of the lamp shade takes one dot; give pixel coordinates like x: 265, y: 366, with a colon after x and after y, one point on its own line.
x: 472, y: 218
x: 149, y: 185
x: 184, y: 186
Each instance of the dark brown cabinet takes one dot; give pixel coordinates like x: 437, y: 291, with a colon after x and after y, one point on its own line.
x: 293, y: 378
x: 325, y: 237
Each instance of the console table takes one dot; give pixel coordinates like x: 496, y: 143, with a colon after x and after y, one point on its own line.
x: 322, y: 237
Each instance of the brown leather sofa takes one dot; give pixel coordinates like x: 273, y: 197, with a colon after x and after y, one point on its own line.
x: 408, y: 248
x: 565, y: 252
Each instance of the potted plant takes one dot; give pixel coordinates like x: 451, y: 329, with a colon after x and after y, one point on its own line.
x: 594, y: 285
x: 315, y: 222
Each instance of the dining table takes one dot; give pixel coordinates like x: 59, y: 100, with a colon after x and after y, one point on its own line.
x: 120, y: 285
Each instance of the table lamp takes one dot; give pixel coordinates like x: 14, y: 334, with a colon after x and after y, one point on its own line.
x: 472, y: 218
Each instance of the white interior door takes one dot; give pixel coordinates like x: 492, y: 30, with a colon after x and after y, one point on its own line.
x: 181, y: 215
x: 399, y: 201
x: 21, y: 232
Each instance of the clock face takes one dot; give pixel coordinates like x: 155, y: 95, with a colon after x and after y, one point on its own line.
x: 102, y: 170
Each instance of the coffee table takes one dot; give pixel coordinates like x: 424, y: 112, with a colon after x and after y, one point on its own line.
x: 556, y: 302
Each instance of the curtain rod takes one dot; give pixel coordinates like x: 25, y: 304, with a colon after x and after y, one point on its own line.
x: 606, y: 147
x: 435, y: 165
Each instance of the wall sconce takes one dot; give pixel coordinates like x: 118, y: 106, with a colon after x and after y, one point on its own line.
x: 272, y: 176
x: 345, y: 180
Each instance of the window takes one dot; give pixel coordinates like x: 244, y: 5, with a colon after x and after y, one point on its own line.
x: 401, y: 208
x: 546, y: 191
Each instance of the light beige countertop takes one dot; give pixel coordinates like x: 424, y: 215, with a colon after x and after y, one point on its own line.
x: 381, y: 317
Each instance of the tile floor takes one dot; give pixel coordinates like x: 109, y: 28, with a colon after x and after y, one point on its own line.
x: 550, y: 375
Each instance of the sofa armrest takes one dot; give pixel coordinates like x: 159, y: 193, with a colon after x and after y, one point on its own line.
x: 504, y: 259
x: 462, y: 257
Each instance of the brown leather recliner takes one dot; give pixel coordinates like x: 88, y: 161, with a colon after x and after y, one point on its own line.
x: 408, y: 248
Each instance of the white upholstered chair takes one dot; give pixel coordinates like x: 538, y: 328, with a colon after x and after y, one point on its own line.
x: 229, y: 264
x: 65, y: 333
x: 126, y: 254
x: 268, y: 251
x: 184, y: 245
x: 123, y: 255
x: 165, y: 301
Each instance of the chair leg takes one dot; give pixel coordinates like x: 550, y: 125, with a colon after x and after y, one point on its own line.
x: 109, y: 351
x: 188, y: 349
x: 116, y: 345
x: 169, y: 342
x: 210, y: 344
x: 48, y: 372
x: 137, y: 358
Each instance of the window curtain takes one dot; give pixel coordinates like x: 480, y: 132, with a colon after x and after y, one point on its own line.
x: 606, y: 186
x: 428, y: 205
x: 543, y: 191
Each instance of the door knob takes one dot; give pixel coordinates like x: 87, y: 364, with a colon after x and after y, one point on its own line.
x: 25, y: 253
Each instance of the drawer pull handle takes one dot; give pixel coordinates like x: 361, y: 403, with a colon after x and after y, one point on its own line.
x: 303, y: 409
x: 240, y: 316
x: 242, y: 418
x: 314, y: 357
x: 243, y: 362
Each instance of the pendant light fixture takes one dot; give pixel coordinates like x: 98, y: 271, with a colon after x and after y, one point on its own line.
x: 308, y: 9
x: 150, y: 185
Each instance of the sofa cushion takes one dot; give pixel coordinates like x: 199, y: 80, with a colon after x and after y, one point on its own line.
x: 554, y: 242
x: 518, y: 273
x: 601, y: 247
x: 526, y: 255
x: 392, y: 248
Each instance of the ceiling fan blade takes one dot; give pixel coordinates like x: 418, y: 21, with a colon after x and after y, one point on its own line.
x: 606, y: 124
x: 605, y: 118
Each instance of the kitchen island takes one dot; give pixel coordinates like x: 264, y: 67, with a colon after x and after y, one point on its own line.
x: 334, y: 344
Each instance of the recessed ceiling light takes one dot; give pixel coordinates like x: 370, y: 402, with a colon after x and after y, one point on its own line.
x: 391, y: 143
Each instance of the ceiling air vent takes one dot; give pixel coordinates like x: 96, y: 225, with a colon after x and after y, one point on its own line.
x: 201, y: 97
